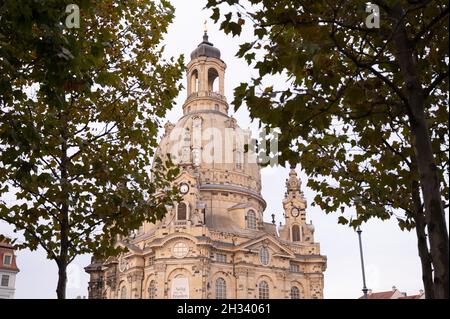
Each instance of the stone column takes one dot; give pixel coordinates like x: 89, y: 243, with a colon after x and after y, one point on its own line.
x: 137, y: 278
x: 161, y: 281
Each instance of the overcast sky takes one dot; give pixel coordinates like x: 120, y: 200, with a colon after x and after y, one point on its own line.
x: 391, y: 256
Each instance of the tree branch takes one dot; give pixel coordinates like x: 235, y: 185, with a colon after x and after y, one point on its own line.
x: 370, y: 67
x: 435, y: 83
x: 430, y: 25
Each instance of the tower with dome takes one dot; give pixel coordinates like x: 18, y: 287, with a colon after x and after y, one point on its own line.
x: 214, y: 243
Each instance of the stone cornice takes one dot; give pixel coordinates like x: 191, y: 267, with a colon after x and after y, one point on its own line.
x: 235, y: 189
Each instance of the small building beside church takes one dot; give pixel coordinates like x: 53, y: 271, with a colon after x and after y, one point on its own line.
x: 215, y: 243
x: 392, y: 294
x: 8, y: 271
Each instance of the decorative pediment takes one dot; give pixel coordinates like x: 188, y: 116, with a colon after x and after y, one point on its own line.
x: 270, y: 242
x: 131, y: 248
x: 176, y: 237
x: 111, y: 260
x: 185, y: 176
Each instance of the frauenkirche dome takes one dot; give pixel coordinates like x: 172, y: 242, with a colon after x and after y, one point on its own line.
x: 215, y: 243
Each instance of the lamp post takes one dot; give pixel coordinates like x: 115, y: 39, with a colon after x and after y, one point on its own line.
x: 359, y: 231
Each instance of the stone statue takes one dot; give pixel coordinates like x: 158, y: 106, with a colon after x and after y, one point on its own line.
x: 197, y: 217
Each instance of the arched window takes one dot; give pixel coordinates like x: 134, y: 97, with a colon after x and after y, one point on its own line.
x: 295, y: 233
x: 123, y: 292
x: 238, y: 160
x: 263, y: 289
x: 251, y: 219
x: 295, y: 293
x: 182, y: 211
x: 194, y: 81
x: 264, y: 255
x: 213, y: 80
x: 152, y: 290
x: 186, y: 149
x: 221, y: 288
x: 187, y: 137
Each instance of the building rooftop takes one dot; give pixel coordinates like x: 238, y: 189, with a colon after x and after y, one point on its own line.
x: 392, y: 294
x: 7, y: 249
x: 379, y: 295
x: 205, y: 48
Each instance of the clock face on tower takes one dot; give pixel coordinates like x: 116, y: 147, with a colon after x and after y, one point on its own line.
x: 184, y: 188
x: 295, y: 212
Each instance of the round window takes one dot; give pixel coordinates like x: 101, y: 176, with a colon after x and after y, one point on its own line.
x: 180, y: 250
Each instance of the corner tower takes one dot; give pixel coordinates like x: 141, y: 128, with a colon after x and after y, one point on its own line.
x: 295, y: 229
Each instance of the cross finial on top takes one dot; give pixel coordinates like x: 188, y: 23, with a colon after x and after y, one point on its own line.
x: 205, y: 35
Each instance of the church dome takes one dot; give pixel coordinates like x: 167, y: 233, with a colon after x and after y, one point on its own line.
x: 221, y: 159
x: 209, y: 146
x: 217, y: 158
x: 205, y: 48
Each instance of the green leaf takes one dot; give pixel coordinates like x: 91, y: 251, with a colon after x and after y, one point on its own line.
x: 342, y: 220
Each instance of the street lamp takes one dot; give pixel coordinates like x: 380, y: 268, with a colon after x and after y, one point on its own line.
x: 359, y: 231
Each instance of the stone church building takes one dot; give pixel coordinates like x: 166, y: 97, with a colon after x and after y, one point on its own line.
x: 215, y: 243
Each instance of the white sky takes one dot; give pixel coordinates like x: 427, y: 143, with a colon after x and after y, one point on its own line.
x: 391, y: 256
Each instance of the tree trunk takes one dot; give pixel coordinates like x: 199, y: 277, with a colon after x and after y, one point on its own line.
x: 62, y: 280
x: 63, y: 260
x: 422, y: 245
x: 434, y: 212
x: 64, y: 222
x: 428, y: 172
